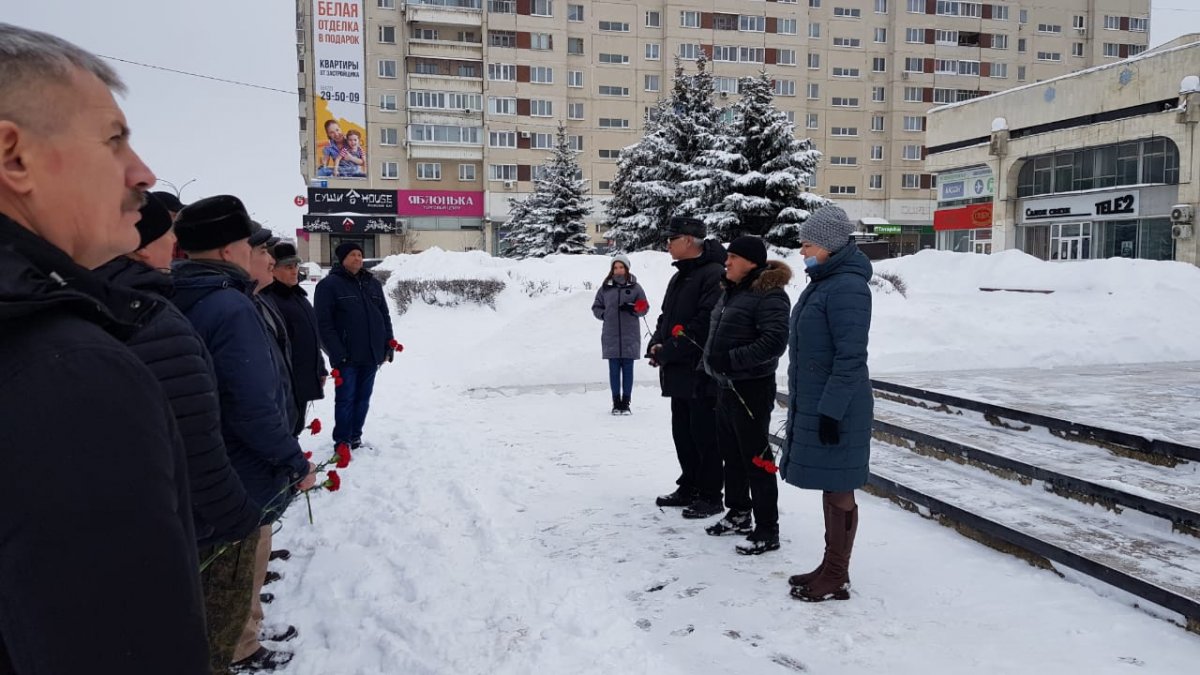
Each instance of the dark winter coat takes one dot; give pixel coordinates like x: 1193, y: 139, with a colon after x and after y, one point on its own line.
x: 98, y: 566
x: 281, y: 349
x: 621, y: 336
x: 750, y: 323
x: 828, y: 375
x: 308, y: 365
x: 215, y: 297
x: 170, y: 347
x: 691, y: 296
x: 353, y: 319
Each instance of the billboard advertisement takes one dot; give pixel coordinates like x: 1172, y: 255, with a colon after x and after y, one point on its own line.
x: 339, y: 90
x: 335, y: 200
x: 968, y: 184
x: 350, y: 224
x: 446, y: 203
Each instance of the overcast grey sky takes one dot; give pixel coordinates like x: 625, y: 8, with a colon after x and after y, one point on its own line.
x: 235, y: 139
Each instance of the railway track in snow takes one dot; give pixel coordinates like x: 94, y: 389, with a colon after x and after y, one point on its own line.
x: 1078, y: 499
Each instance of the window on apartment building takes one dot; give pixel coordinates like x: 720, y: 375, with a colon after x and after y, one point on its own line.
x: 752, y: 24
x: 1054, y: 57
x: 814, y: 3
x: 1134, y: 50
x: 877, y: 123
x: 653, y: 20
x: 837, y: 160
x: 913, y: 94
x: 610, y: 154
x: 946, y: 37
x: 1077, y: 49
x: 390, y: 170
x: 575, y: 111
x: 945, y: 66
x: 812, y: 121
x: 878, y: 64
x: 914, y: 35
x: 916, y: 6
x: 653, y: 50
x: 876, y: 153
x: 502, y: 105
x: 386, y: 4
x: 502, y: 72
x: 814, y: 61
x: 999, y: 71
x: 910, y: 181
x: 575, y: 79
x: 842, y: 190
x: 846, y: 42
x: 1077, y: 22
x: 689, y: 19
x: 613, y: 123
x: 814, y: 91
x: 689, y: 52
x: 610, y: 90
x: 999, y: 41
x: 878, y: 94
x: 724, y: 21
x: 843, y: 131
x: 914, y: 123
x: 1139, y: 24
x: 429, y: 171
x: 542, y: 8
x: 575, y: 13
x: 1049, y: 28
x: 968, y: 68
x: 787, y: 27
x: 839, y: 71
x: 1020, y: 73
x: 541, y: 41
x: 725, y: 85
x: 911, y: 153
x: 388, y: 102
x: 876, y: 182
x: 575, y: 143
x: 604, y: 186
x: 881, y: 6
x: 847, y: 12
x: 387, y: 68
x: 1112, y: 23
x: 614, y: 59
x: 502, y: 139
x: 814, y: 31
x: 785, y: 87
x: 614, y: 27
x: 914, y: 64
x: 466, y: 172
x: 502, y: 38
x: 541, y: 141
x: 425, y: 34
x: 752, y: 54
x: 880, y: 35
x: 652, y: 83
x: 1111, y: 50
x: 502, y: 6
x: 541, y: 75
x: 1023, y: 16
x: 540, y: 107
x: 1000, y: 12
x: 389, y: 136
x: 1021, y: 45
x: 387, y: 35
x: 575, y: 46
x: 502, y: 171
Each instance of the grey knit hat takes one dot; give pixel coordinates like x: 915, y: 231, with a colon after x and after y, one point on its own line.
x: 828, y: 227
x: 621, y: 258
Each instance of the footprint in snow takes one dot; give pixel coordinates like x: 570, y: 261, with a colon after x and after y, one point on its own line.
x: 687, y: 630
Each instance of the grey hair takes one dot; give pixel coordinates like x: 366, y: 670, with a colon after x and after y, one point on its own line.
x: 30, y: 58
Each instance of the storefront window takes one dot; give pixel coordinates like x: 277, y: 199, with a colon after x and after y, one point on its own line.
x: 445, y: 223
x: 367, y: 242
x: 1149, y: 161
x: 1155, y: 241
x: 1120, y: 239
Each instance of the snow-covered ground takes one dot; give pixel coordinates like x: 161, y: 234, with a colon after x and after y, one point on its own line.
x: 503, y: 521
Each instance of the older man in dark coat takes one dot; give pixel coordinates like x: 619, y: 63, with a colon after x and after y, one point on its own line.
x: 300, y: 320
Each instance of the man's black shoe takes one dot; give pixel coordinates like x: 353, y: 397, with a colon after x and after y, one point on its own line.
x: 680, y: 497
x: 702, y: 509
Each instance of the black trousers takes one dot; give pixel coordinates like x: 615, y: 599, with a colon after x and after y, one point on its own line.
x: 693, y: 425
x: 741, y: 438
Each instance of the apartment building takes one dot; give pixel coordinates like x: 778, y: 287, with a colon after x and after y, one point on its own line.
x: 455, y: 102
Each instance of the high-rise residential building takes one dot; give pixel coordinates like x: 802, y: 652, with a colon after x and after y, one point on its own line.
x: 451, y: 105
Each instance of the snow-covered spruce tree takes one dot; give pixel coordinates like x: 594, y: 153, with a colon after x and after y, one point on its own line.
x: 763, y: 171
x: 660, y: 176
x: 551, y: 220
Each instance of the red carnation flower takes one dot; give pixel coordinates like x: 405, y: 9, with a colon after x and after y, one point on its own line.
x: 770, y: 466
x: 677, y: 330
x: 335, y: 374
x: 337, y: 381
x: 315, y: 427
x: 333, y: 482
x: 758, y: 460
x: 395, y: 346
x: 641, y: 306
x: 343, y: 455
x: 308, y: 455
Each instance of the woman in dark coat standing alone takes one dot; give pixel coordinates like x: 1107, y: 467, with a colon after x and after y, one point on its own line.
x: 620, y: 302
x: 830, y: 407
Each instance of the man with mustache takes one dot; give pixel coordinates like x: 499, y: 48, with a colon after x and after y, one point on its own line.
x: 98, y: 563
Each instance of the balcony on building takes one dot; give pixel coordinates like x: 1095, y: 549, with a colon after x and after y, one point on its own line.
x: 444, y: 74
x: 450, y: 12
x: 445, y: 42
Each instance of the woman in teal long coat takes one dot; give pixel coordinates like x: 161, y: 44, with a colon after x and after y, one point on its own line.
x: 830, y: 407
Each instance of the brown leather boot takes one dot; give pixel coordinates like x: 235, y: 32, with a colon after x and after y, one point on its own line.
x: 833, y: 583
x: 797, y: 580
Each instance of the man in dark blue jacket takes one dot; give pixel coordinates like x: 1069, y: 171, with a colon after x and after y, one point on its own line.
x: 300, y: 319
x: 98, y: 565
x: 356, y: 332
x: 213, y: 288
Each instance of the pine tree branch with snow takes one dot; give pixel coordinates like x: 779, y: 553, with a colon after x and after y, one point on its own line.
x: 552, y: 218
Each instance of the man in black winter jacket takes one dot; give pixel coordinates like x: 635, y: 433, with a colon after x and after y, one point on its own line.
x: 687, y: 308
x: 308, y: 365
x: 749, y: 333
x: 98, y: 565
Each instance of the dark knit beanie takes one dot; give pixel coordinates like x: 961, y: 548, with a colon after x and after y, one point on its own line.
x: 155, y: 222
x: 750, y: 248
x: 170, y: 200
x: 345, y: 248
x: 212, y: 222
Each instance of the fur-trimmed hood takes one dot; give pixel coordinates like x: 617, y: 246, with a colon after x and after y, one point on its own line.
x: 777, y: 274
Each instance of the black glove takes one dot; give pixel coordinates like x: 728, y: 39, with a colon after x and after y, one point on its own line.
x: 628, y: 308
x: 721, y: 362
x: 828, y: 431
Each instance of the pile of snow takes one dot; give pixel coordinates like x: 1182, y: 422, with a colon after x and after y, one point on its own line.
x: 1100, y: 312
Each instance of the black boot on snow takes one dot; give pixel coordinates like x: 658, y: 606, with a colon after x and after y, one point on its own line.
x: 759, y: 542
x: 734, y: 522
x: 625, y: 407
x: 263, y: 660
x: 679, y: 497
x: 702, y: 508
x: 616, y: 409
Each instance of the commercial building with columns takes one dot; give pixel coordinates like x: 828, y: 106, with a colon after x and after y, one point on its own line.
x: 1096, y: 164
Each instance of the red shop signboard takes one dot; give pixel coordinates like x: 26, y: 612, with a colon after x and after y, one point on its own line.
x: 435, y: 203
x: 971, y: 217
